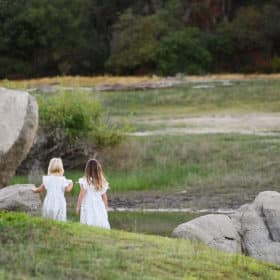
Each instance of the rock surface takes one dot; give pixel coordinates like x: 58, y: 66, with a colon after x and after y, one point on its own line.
x: 217, y: 231
x: 18, y: 126
x: 255, y: 226
x: 20, y: 198
x: 260, y: 227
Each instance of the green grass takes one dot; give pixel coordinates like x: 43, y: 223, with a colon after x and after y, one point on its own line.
x: 242, y: 97
x: 34, y: 248
x: 235, y: 167
x: 231, y: 164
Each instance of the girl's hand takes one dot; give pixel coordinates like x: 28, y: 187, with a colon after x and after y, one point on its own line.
x: 77, y: 210
x: 34, y: 189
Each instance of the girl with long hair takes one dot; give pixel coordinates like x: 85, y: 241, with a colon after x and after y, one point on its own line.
x: 92, y: 201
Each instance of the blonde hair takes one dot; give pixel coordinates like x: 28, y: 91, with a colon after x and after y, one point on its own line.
x: 94, y: 174
x: 55, y: 167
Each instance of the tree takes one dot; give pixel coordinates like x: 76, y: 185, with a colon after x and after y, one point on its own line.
x: 183, y: 52
x: 136, y: 38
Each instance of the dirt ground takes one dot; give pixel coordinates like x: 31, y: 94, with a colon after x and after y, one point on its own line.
x: 256, y: 124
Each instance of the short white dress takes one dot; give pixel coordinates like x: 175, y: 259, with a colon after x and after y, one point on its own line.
x: 54, y: 205
x: 93, y: 210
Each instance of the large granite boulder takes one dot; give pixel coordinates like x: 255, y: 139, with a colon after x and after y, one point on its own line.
x: 260, y: 228
x: 18, y: 126
x: 217, y: 231
x: 256, y: 226
x: 20, y: 198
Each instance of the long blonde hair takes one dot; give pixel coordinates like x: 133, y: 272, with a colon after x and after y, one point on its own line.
x: 55, y: 167
x: 94, y: 174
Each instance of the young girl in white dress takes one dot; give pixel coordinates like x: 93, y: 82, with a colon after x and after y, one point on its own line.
x: 54, y: 205
x: 92, y: 201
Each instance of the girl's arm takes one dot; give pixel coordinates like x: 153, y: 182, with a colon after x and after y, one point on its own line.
x: 105, y: 200
x: 39, y: 189
x: 69, y: 187
x: 80, y: 199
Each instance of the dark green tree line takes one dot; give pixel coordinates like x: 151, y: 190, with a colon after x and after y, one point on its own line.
x: 87, y: 37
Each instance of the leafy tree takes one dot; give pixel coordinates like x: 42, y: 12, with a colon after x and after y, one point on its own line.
x: 237, y: 44
x: 184, y: 52
x: 135, y: 42
x: 136, y: 38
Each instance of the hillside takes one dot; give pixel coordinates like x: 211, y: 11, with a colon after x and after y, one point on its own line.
x: 35, y: 248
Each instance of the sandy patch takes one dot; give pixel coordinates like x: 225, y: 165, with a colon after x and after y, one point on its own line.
x: 259, y: 124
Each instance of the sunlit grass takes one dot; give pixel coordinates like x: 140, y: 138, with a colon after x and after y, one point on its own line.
x: 42, y: 249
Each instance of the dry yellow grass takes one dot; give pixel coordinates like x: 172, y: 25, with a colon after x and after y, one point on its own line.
x: 128, y: 80
x: 77, y: 81
x: 234, y: 77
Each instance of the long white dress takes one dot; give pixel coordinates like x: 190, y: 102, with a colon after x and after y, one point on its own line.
x: 93, y: 210
x: 54, y: 206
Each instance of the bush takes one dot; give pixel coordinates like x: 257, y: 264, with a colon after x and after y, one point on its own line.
x: 72, y: 127
x: 77, y: 115
x: 183, y: 52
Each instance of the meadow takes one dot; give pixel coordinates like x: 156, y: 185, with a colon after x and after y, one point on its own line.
x: 222, y: 169
x: 201, y: 145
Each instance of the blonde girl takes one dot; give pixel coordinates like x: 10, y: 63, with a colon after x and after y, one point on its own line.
x: 54, y: 205
x: 92, y: 202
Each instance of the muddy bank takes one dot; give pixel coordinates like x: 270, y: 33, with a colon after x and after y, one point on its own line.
x: 191, y: 200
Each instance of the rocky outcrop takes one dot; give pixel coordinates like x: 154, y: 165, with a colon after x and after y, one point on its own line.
x: 20, y: 198
x: 18, y: 126
x: 217, y: 231
x: 260, y: 228
x: 253, y: 229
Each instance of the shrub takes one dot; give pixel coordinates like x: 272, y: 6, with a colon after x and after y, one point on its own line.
x: 183, y: 52
x: 73, y: 127
x: 77, y: 115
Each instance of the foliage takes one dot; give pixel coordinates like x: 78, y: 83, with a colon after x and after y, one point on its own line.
x: 78, y: 115
x: 183, y: 52
x: 135, y: 42
x: 50, y: 37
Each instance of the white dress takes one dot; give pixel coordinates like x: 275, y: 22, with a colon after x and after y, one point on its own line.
x: 93, y: 210
x: 54, y: 205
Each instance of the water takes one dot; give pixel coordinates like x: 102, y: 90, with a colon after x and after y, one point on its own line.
x: 147, y: 222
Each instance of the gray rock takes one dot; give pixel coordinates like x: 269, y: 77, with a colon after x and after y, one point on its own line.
x: 20, y: 198
x: 236, y: 218
x: 18, y: 126
x: 268, y: 204
x: 215, y: 230
x: 260, y: 228
x: 256, y: 225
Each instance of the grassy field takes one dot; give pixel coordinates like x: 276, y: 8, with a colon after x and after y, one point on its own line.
x: 34, y: 248
x: 74, y: 81
x: 185, y: 100
x: 80, y: 81
x: 234, y: 166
